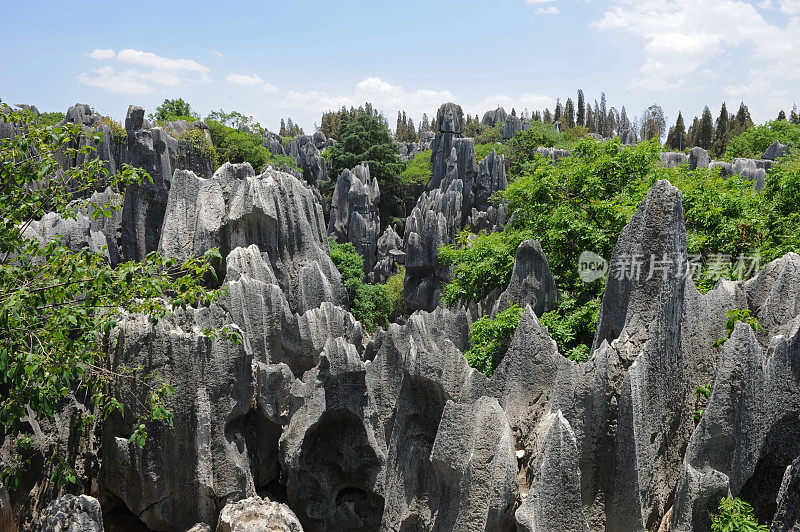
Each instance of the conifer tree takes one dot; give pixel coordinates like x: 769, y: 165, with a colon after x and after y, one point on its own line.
x: 794, y: 118
x: 282, y: 132
x: 547, y: 118
x: 676, y: 139
x: 569, y: 114
x: 705, y: 135
x: 557, y: 115
x: 581, y: 112
x: 782, y: 115
x: 601, y: 115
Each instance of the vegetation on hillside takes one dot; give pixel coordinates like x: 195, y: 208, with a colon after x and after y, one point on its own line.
x: 583, y: 202
x: 371, y: 304
x: 56, y: 305
x: 489, y: 338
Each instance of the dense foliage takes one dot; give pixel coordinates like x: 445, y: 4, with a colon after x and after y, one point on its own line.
x: 174, y: 109
x: 583, y: 202
x: 365, y: 138
x: 370, y: 304
x: 244, y: 145
x: 478, y: 264
x: 50, y: 118
x: 56, y: 305
x: 735, y: 515
x: 755, y: 140
x: 489, y: 339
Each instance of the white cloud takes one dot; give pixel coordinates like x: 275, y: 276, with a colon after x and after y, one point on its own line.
x: 551, y: 10
x: 683, y: 37
x: 244, y: 79
x: 217, y: 53
x: 101, y: 53
x: 382, y: 94
x: 125, y: 82
x: 149, y: 59
x: 269, y: 88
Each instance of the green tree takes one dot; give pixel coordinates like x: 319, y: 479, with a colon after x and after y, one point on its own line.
x: 489, y: 339
x: 559, y: 110
x: 743, y: 117
x: 367, y: 139
x: 676, y: 139
x: 370, y: 304
x: 653, y: 123
x: 581, y: 117
x: 794, y: 118
x: 175, y: 109
x: 569, y: 113
x: 56, y: 305
x: 782, y: 115
x: 705, y: 134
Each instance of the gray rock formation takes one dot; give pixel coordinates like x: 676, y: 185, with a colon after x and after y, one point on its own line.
x: 553, y: 154
x: 787, y: 516
x: 390, y: 252
x: 673, y: 159
x: 257, y: 515
x: 145, y: 204
x: 76, y: 235
x: 698, y: 158
x: 776, y: 150
x: 511, y: 127
x: 460, y: 201
x: 303, y: 149
x: 473, y: 458
x: 531, y: 282
x: 185, y: 471
x: 275, y: 211
x: 492, y: 118
x: 554, y: 500
x: 72, y: 513
x: 333, y: 450
x: 354, y: 215
x: 449, y: 127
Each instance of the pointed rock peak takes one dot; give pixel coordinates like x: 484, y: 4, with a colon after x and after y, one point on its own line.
x: 450, y: 119
x: 648, y: 267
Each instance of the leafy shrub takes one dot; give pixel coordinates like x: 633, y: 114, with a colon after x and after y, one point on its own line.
x: 370, y: 304
x: 418, y: 170
x: 572, y: 326
x: 50, y: 118
x: 197, y: 145
x: 174, y: 109
x: 735, y: 515
x: 489, y: 135
x: 118, y: 133
x: 478, y: 264
x: 755, y: 140
x: 735, y: 316
x: 395, y: 286
x: 482, y: 150
x: 521, y: 150
x: 489, y: 339
x: 239, y: 146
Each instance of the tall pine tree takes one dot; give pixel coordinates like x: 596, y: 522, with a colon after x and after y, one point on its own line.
x: 705, y: 136
x: 581, y: 118
x: 676, y: 140
x: 569, y: 113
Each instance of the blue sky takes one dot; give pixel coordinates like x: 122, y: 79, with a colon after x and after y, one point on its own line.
x: 277, y: 59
